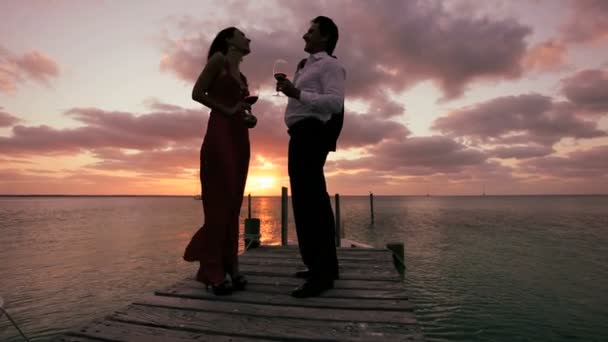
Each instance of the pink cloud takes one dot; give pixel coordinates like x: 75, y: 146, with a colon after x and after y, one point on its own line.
x: 270, y: 136
x: 79, y: 182
x: 103, y: 129
x: 157, y: 163
x: 7, y: 120
x: 417, y: 156
x: 522, y: 119
x: 388, y: 45
x: 547, y: 55
x: 362, y: 130
x: 38, y: 66
x: 587, y: 164
x: 588, y: 21
x: 466, y: 179
x: 588, y: 89
x: 33, y: 65
x: 520, y: 151
x: 383, y: 107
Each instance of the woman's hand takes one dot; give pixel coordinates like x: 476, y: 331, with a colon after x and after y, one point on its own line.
x: 239, y: 108
x: 250, y: 120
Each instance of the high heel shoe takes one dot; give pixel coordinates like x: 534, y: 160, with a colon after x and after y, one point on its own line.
x: 239, y: 282
x: 221, y: 289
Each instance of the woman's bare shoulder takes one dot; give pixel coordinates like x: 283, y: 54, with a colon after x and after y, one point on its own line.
x: 217, y: 59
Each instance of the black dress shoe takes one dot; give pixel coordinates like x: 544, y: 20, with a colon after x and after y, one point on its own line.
x: 221, y: 289
x: 313, y: 287
x: 306, y: 274
x: 239, y: 282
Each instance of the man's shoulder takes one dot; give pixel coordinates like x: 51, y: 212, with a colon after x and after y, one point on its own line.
x: 332, y: 62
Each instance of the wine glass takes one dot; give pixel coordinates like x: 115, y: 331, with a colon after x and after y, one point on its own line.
x: 279, y: 71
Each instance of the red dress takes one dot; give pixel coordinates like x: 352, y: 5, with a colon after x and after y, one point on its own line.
x: 223, y: 173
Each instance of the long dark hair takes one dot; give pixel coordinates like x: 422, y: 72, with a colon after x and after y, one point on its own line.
x: 219, y: 43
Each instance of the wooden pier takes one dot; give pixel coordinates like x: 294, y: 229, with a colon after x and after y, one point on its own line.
x: 368, y: 303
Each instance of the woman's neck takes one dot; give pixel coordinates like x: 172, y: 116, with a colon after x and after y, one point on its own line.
x: 234, y: 58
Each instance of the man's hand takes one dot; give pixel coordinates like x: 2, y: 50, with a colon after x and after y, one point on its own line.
x: 286, y: 87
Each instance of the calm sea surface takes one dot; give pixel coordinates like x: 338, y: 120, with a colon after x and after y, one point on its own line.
x: 529, y: 268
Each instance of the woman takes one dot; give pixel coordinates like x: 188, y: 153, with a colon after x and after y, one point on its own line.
x: 224, y: 162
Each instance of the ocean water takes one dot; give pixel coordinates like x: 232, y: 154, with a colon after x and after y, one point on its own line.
x: 504, y: 268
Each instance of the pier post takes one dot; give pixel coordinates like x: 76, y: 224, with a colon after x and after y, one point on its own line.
x: 398, y: 256
x: 338, y: 228
x: 249, y: 205
x: 371, y: 205
x: 284, y: 211
x: 252, y: 228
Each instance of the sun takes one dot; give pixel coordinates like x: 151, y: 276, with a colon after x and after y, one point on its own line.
x: 265, y: 182
x: 260, y: 184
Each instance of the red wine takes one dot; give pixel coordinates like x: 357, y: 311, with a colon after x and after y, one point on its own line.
x: 279, y: 76
x: 251, y: 99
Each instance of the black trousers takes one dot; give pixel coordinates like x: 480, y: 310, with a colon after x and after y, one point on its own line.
x: 312, y: 210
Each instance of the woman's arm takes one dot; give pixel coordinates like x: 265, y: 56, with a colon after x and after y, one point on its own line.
x: 212, y: 69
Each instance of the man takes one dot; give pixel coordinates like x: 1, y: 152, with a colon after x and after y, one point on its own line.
x: 314, y: 117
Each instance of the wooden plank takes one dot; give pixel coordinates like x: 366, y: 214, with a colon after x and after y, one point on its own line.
x: 351, y: 243
x: 378, y: 259
x: 342, y: 253
x: 277, y: 328
x: 333, y: 293
x: 340, y: 249
x: 69, y: 338
x: 296, y: 255
x: 368, y: 274
x: 368, y: 303
x: 297, y: 263
x: 111, y: 330
x: 290, y: 281
x: 279, y: 311
x: 185, y: 291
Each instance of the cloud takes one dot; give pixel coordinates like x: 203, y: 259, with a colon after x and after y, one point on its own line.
x: 520, y: 152
x: 588, y: 89
x: 38, y: 66
x: 417, y: 156
x: 83, y: 181
x: 32, y: 65
x: 158, y: 163
x: 546, y: 56
x: 362, y: 130
x: 270, y: 136
x: 587, y: 164
x: 588, y: 21
x: 108, y: 129
x: 383, y: 107
x: 522, y: 119
x: 383, y: 45
x: 8, y: 120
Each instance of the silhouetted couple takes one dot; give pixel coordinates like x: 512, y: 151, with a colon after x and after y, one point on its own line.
x: 314, y: 117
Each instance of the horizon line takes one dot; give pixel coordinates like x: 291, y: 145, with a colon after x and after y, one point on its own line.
x: 359, y: 195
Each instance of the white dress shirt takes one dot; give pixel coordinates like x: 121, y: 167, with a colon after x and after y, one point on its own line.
x: 321, y: 83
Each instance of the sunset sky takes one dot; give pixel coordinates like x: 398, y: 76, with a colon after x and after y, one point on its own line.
x: 441, y: 96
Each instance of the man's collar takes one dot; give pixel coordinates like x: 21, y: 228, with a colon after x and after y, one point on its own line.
x: 318, y: 55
